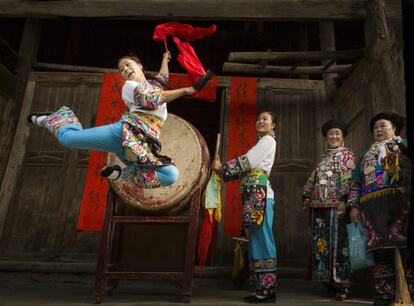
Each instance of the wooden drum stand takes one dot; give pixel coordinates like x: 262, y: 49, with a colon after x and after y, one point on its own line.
x: 110, y: 268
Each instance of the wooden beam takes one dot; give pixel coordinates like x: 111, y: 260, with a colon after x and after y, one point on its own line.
x: 328, y: 64
x: 253, y: 57
x: 194, y: 9
x: 327, y: 44
x: 60, y: 67
x: 8, y: 83
x: 266, y: 70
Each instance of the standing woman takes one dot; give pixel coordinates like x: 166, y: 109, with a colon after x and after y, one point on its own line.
x: 135, y: 138
x: 325, y: 195
x: 381, y: 190
x: 258, y: 207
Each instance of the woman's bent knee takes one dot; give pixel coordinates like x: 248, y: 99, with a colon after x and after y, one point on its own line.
x: 168, y: 175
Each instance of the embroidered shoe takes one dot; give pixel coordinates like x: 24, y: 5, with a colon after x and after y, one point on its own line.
x: 203, y: 80
x: 34, y: 116
x: 341, y: 294
x: 111, y: 172
x: 254, y: 299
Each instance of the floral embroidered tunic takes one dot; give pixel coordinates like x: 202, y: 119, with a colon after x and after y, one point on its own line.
x: 253, y: 168
x: 378, y: 172
x: 144, y: 96
x: 261, y: 156
x: 142, y: 124
x: 330, y: 183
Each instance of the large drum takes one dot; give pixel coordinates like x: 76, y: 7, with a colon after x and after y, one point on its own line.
x: 184, y: 144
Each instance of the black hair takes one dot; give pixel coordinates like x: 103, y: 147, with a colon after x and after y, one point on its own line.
x: 149, y: 76
x: 272, y: 116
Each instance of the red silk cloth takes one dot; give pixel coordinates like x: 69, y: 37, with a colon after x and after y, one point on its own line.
x: 187, y: 57
x: 181, y: 30
x: 110, y: 109
x: 242, y: 136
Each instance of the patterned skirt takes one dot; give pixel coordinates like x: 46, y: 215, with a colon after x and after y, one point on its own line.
x: 140, y: 140
x: 329, y: 247
x: 384, y: 220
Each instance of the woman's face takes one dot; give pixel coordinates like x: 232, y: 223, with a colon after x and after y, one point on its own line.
x: 264, y: 124
x: 334, y: 138
x: 130, y: 69
x: 383, y: 130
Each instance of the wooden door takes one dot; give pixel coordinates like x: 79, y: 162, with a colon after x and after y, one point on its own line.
x: 297, y: 104
x: 42, y: 212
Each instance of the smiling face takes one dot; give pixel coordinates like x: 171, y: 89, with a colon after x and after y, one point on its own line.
x: 383, y: 130
x: 334, y: 138
x: 265, y: 124
x: 130, y: 70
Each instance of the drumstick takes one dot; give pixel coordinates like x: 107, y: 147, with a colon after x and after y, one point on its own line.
x: 165, y: 45
x: 216, y: 152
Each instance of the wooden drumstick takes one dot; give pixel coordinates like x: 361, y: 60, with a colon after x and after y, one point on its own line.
x: 216, y: 152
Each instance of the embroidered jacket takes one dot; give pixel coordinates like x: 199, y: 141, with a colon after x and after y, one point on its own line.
x: 379, y: 172
x: 144, y: 97
x: 330, y: 183
x: 253, y: 169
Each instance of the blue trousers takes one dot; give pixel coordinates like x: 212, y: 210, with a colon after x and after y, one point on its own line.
x: 107, y: 138
x: 262, y: 255
x: 262, y: 243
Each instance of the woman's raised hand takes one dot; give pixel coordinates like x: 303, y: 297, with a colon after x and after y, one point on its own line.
x: 166, y: 56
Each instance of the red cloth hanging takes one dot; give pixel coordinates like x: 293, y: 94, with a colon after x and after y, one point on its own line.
x: 188, y: 60
x: 242, y: 136
x: 204, y: 241
x: 187, y: 57
x: 181, y: 30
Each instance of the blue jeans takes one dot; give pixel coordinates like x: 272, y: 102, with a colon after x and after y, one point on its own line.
x: 107, y: 138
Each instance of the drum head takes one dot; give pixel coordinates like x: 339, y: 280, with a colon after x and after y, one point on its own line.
x: 184, y: 144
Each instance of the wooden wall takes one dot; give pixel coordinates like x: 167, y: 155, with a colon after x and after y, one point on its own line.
x: 377, y: 84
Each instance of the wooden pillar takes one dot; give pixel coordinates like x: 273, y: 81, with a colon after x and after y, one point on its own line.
x: 26, y: 57
x: 327, y: 43
x: 303, y: 45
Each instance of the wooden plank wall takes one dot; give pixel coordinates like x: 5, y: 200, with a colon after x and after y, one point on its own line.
x: 377, y: 84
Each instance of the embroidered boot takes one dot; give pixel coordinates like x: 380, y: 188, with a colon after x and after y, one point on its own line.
x: 203, y: 80
x: 38, y: 118
x: 111, y: 172
x: 61, y: 119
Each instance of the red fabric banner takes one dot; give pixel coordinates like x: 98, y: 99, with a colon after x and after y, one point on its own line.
x: 181, y: 30
x: 242, y: 136
x: 110, y: 109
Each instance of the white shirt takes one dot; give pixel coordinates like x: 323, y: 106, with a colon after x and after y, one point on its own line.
x: 262, y: 156
x: 133, y: 106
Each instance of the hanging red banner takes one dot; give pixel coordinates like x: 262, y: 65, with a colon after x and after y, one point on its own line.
x: 242, y: 136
